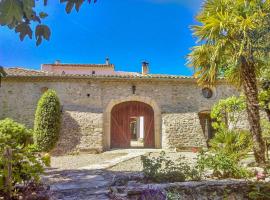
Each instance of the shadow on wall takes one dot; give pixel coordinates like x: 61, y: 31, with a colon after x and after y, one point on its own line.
x: 70, y: 135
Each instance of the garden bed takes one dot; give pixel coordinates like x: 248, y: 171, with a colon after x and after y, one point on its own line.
x: 32, y: 191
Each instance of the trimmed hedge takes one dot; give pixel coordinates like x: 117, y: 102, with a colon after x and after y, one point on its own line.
x: 47, y: 121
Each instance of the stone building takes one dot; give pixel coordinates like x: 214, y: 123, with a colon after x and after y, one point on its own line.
x: 103, y: 108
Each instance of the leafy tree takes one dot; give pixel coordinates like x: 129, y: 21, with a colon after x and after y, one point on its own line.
x: 234, y: 42
x: 47, y: 121
x: 19, y: 15
x: 227, y: 112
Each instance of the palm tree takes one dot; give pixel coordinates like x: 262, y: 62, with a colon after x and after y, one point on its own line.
x: 233, y: 42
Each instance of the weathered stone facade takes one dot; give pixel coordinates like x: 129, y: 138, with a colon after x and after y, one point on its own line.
x: 182, y: 130
x: 87, y: 101
x: 81, y: 131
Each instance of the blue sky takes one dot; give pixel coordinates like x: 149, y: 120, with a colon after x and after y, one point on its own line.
x: 128, y: 31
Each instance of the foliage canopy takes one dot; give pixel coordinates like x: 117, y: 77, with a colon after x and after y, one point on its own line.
x: 229, y: 32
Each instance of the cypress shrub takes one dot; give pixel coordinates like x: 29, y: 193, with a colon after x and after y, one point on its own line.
x: 47, y: 121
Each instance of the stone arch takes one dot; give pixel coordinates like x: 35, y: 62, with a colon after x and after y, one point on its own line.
x: 107, y: 118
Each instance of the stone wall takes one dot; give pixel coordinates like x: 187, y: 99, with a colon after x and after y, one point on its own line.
x: 80, y: 132
x: 210, y: 189
x: 85, y: 101
x: 182, y: 130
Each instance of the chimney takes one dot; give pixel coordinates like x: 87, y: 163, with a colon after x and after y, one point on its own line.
x: 57, y: 62
x: 145, y: 68
x: 107, y: 61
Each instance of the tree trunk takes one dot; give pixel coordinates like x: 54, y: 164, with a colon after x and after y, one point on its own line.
x: 249, y: 82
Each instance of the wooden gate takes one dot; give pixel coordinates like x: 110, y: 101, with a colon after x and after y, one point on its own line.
x: 121, y: 116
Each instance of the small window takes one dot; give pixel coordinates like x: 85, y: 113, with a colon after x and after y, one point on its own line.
x: 93, y: 72
x: 133, y: 89
x: 43, y: 89
x: 207, y: 93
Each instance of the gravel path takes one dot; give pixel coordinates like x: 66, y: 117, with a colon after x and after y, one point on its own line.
x: 135, y: 164
x: 84, y: 176
x: 88, y: 176
x: 81, y: 160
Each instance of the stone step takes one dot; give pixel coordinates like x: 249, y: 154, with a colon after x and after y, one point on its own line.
x: 81, y: 194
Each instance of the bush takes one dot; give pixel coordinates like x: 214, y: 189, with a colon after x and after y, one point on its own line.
x: 229, y: 144
x: 227, y: 148
x: 13, y: 133
x: 234, y: 144
x: 26, y: 163
x: 222, y: 165
x: 47, y: 121
x: 162, y: 169
x: 259, y: 191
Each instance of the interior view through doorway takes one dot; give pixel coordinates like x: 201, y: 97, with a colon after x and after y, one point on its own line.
x: 137, y: 131
x: 132, y: 125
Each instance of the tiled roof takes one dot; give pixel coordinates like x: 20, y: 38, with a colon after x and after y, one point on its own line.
x: 17, y: 71
x: 21, y: 72
x: 79, y: 65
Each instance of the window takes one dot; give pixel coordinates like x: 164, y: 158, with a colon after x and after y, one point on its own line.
x: 93, y: 72
x: 43, y: 89
x: 207, y: 93
x: 133, y: 89
x: 206, y: 125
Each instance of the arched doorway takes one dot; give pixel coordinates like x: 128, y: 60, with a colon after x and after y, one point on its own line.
x: 132, y: 121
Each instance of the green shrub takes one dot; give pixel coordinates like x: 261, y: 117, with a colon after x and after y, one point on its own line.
x: 234, y: 144
x: 222, y: 165
x: 26, y: 163
x: 13, y: 133
x: 259, y: 191
x: 226, y: 150
x: 47, y: 121
x: 162, y: 169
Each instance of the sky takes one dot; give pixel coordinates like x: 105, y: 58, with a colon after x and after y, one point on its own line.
x: 126, y: 31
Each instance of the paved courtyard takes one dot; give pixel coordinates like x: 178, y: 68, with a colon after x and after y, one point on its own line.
x: 89, y: 176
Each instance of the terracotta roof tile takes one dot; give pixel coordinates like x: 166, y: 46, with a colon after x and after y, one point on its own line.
x: 17, y: 71
x: 22, y: 72
x: 79, y: 65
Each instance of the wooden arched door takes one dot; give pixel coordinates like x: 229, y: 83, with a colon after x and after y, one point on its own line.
x: 121, y: 117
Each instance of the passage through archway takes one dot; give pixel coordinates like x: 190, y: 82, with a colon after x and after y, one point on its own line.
x: 132, y: 122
